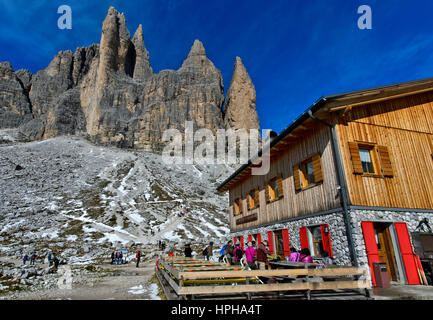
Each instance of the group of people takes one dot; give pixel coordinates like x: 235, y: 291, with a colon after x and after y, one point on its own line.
x: 32, y: 259
x: 257, y: 257
x: 51, y: 258
x: 117, y: 257
x: 161, y: 245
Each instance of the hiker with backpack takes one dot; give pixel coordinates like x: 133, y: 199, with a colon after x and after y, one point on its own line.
x: 138, y: 256
x: 207, y: 252
x: 188, y: 251
x: 251, y: 255
x: 227, y: 251
x: 33, y: 259
x: 25, y: 258
x: 238, y: 253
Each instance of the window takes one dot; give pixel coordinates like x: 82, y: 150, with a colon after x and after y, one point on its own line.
x: 253, y: 199
x: 370, y: 159
x: 366, y: 160
x: 316, y: 237
x: 274, y: 189
x: 237, y: 209
x: 308, y: 173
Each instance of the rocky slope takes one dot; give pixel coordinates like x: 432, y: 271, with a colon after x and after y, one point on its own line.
x: 109, y: 92
x: 81, y: 200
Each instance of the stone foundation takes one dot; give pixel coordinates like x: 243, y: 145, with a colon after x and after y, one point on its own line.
x: 337, y: 230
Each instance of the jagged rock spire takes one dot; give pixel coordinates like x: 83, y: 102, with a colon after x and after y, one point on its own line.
x: 142, y: 69
x: 197, y: 61
x: 240, y: 102
x: 115, y: 47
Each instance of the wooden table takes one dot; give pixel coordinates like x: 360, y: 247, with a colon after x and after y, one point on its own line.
x: 292, y: 264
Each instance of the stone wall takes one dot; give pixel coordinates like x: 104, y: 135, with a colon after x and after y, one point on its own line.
x: 339, y: 242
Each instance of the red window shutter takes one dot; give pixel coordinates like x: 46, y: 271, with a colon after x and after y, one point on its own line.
x: 271, y: 241
x: 234, y: 240
x: 304, y: 238
x: 286, y: 242
x: 241, y: 239
x: 250, y: 238
x: 370, y: 246
x: 326, y: 240
x: 407, y: 253
x: 259, y: 238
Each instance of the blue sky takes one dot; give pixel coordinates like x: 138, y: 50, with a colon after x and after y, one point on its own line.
x: 295, y: 51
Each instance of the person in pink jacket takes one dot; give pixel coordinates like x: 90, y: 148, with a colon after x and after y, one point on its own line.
x: 251, y: 255
x: 305, y: 256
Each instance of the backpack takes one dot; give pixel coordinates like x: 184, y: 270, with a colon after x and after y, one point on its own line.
x: 222, y: 249
x: 239, y: 254
x: 137, y: 256
x: 204, y: 252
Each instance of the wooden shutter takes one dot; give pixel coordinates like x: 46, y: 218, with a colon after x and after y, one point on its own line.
x: 407, y: 253
x: 249, y: 200
x: 370, y: 246
x: 286, y: 242
x: 317, y: 166
x: 356, y: 159
x: 271, y: 241
x: 268, y: 196
x: 385, y: 161
x: 326, y: 239
x: 259, y: 239
x: 296, y: 177
x: 234, y: 240
x: 304, y: 238
x: 250, y: 238
x: 256, y: 198
x: 241, y: 240
x: 280, y: 186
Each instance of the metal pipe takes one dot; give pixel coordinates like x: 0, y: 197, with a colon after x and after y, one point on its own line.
x: 342, y: 186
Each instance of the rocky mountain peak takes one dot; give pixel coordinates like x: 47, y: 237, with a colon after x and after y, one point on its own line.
x: 197, y: 61
x: 240, y: 102
x: 142, y: 69
x: 108, y: 91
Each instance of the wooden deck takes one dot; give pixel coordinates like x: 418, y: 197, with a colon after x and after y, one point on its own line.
x: 185, y: 278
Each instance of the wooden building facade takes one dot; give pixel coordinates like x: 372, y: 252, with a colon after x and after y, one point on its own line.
x: 353, y: 176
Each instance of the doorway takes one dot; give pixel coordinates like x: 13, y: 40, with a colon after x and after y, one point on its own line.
x: 279, y: 243
x: 385, y: 248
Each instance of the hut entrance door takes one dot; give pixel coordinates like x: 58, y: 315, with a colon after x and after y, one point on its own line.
x: 385, y: 248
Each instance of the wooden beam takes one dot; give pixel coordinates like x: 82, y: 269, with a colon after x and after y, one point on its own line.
x: 370, y: 101
x: 327, y: 272
x: 331, y: 285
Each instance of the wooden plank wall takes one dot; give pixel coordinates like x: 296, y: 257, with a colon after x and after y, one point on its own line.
x: 405, y: 127
x: 318, y: 198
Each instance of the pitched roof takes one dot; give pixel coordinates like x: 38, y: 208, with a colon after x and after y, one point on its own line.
x: 340, y: 101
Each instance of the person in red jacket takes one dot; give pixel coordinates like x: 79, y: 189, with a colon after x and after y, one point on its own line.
x: 262, y: 255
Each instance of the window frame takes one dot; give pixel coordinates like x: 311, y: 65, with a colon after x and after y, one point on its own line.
x: 303, y: 171
x: 251, y: 199
x: 372, y: 147
x: 272, y: 188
